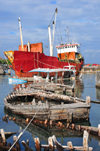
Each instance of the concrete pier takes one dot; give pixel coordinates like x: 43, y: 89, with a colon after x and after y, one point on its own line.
x: 90, y: 69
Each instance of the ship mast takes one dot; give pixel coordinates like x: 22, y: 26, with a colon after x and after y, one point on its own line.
x: 50, y: 41
x: 67, y: 30
x: 21, y: 37
x: 51, y: 37
x: 54, y: 24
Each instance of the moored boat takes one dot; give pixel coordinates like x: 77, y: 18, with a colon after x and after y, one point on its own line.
x: 16, y: 81
x: 24, y: 61
x: 44, y: 105
x: 31, y: 56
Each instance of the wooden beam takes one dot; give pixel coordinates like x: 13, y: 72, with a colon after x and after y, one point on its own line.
x: 37, y: 144
x: 3, y: 135
x: 26, y: 146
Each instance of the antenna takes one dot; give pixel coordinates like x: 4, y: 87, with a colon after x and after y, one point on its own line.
x: 67, y: 31
x: 20, y: 28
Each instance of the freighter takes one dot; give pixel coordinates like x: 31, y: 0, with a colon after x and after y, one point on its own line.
x: 31, y: 56
x: 24, y: 61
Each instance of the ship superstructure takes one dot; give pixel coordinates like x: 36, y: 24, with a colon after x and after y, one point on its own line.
x: 69, y: 52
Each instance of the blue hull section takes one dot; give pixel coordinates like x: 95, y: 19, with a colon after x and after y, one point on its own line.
x: 16, y: 81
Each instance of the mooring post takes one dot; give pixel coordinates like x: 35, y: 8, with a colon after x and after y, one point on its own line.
x: 50, y: 142
x: 58, y: 145
x: 70, y: 146
x: 3, y: 135
x: 17, y: 145
x: 98, y: 129
x: 85, y: 141
x: 37, y: 144
x: 26, y: 146
x: 88, y: 99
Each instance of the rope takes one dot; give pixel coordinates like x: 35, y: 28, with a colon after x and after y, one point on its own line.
x: 45, y: 63
x: 23, y: 131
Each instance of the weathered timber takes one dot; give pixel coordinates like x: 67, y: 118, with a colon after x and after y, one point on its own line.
x: 52, y: 145
x: 3, y: 135
x: 6, y: 148
x: 58, y: 145
x: 85, y: 140
x: 69, y: 146
x: 70, y: 112
x: 59, y: 128
x: 3, y: 144
x: 48, y: 105
x: 68, y: 108
x: 50, y: 142
x: 26, y: 146
x: 51, y: 87
x: 44, y: 94
x: 7, y: 134
x: 37, y: 144
x: 92, y: 130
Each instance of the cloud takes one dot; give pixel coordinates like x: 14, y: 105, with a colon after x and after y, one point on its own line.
x: 82, y: 18
x: 92, y: 51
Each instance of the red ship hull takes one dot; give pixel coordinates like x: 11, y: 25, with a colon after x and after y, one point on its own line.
x: 26, y: 61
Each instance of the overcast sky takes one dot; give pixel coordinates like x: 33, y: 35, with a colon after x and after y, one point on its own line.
x: 81, y: 17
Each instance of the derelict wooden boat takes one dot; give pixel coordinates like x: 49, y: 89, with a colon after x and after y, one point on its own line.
x: 72, y: 112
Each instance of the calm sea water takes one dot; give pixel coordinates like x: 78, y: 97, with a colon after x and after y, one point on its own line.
x: 84, y: 87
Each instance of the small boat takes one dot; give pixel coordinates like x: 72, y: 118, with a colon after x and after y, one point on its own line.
x: 16, y: 81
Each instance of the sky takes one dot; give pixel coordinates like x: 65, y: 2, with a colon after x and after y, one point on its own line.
x: 81, y: 18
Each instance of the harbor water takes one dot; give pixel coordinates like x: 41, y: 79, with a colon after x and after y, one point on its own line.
x: 84, y: 87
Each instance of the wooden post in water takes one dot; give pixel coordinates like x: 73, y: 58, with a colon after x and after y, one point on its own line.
x: 58, y: 145
x: 88, y: 99
x: 85, y: 141
x: 99, y: 130
x: 50, y: 142
x: 3, y: 135
x: 37, y: 144
x: 70, y: 146
x: 26, y: 145
x: 17, y: 145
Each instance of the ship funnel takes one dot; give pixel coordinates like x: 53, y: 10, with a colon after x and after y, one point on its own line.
x: 21, y: 37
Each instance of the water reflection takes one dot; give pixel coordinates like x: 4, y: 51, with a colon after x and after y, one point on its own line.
x: 43, y: 132
x: 84, y: 87
x: 79, y: 87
